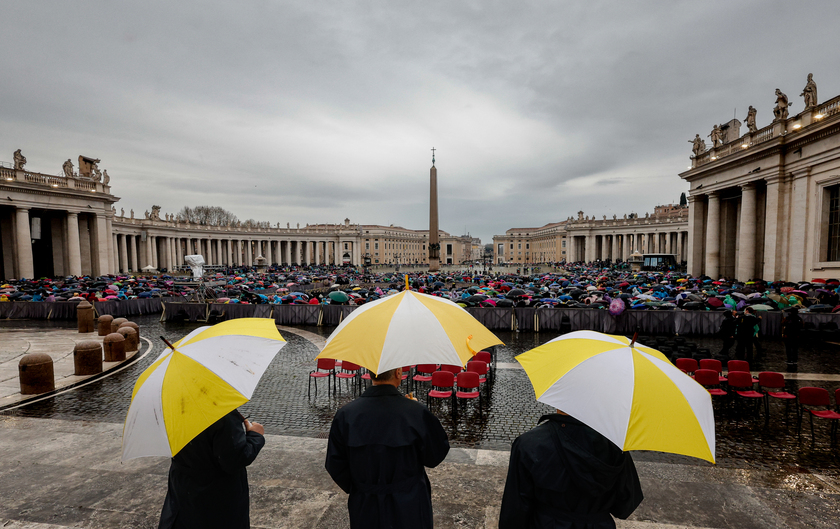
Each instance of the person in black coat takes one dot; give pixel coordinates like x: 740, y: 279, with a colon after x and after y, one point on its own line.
x: 745, y: 335
x: 565, y: 475
x: 208, y: 483
x: 791, y: 334
x: 378, y: 447
x: 727, y: 332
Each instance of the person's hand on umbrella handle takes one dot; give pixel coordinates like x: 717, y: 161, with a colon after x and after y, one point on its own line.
x: 254, y: 427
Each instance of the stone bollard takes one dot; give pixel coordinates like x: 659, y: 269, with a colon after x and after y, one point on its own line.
x: 132, y: 343
x: 116, y: 323
x: 105, y: 324
x: 84, y: 314
x: 36, y: 374
x: 87, y: 358
x: 114, y: 345
x: 133, y: 326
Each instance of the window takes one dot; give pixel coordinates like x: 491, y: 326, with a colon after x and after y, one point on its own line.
x: 833, y: 223
x: 519, y: 247
x: 367, y: 246
x: 563, y: 244
x: 376, y: 246
x: 448, y: 249
x: 527, y: 246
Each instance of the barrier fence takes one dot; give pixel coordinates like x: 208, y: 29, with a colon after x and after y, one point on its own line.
x: 523, y: 319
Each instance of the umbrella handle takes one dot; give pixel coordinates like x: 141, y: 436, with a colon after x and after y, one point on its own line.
x: 168, y: 344
x: 473, y: 351
x: 633, y: 342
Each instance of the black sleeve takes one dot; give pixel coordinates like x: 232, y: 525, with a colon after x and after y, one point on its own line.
x: 519, y: 494
x: 336, y: 464
x: 435, y: 442
x: 629, y: 491
x: 233, y: 448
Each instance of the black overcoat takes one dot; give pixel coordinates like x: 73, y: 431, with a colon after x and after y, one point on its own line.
x: 378, y: 447
x: 565, y: 475
x: 208, y: 483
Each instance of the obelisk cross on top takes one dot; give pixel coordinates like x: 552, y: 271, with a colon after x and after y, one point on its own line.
x: 434, y: 239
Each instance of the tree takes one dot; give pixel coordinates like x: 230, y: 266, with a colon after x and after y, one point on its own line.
x: 207, y: 215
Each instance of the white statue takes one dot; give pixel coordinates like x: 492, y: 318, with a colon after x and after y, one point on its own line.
x: 132, y: 213
x: 122, y: 212
x: 717, y: 137
x: 781, y: 109
x: 20, y: 160
x: 810, y: 92
x: 105, y: 178
x: 699, y: 146
x: 68, y: 168
x: 751, y: 119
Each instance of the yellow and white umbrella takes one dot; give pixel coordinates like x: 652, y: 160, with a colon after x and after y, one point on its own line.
x: 405, y: 329
x: 632, y: 394
x: 210, y: 372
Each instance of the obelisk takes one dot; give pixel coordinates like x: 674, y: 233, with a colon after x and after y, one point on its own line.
x: 434, y: 238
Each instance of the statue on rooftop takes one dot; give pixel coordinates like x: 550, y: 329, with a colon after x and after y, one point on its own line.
x: 20, y: 160
x: 698, y: 145
x: 147, y: 214
x: 614, y: 216
x: 810, y: 93
x: 68, y: 168
x: 122, y: 212
x: 717, y: 136
x: 780, y: 111
x: 132, y: 213
x: 750, y: 119
x: 105, y: 178
x: 625, y: 216
x: 155, y: 213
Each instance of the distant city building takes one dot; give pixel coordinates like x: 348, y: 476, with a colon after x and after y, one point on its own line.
x: 546, y: 244
x: 67, y: 224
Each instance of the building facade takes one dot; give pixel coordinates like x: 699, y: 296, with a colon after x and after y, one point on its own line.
x: 69, y: 225
x: 616, y: 239
x: 546, y: 244
x: 766, y: 204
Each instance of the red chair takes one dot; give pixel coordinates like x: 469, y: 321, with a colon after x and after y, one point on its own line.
x: 487, y: 358
x: 811, y: 398
x: 451, y: 368
x: 424, y: 373
x: 709, y: 377
x: 739, y: 365
x: 468, y: 388
x: 325, y: 368
x: 741, y: 383
x: 443, y: 382
x: 365, y: 378
x: 773, y: 385
x: 687, y: 365
x: 716, y: 365
x: 349, y: 371
x: 477, y: 366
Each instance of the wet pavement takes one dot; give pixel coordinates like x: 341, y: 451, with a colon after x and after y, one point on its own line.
x: 744, y: 440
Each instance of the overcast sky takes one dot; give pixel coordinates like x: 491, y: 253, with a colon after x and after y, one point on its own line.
x: 311, y: 112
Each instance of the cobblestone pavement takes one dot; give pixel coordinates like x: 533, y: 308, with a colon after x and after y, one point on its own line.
x: 280, y: 402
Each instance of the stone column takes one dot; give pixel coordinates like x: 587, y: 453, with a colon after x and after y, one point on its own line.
x: 112, y: 247
x: 23, y: 240
x: 135, y: 252
x: 770, y: 270
x: 681, y: 250
x: 103, y: 239
x: 249, y: 255
x: 614, y: 251
x: 696, y: 218
x: 123, y: 253
x: 746, y: 233
x: 317, y: 252
x: 797, y: 240
x: 269, y: 257
x: 712, y: 268
x: 74, y: 249
x: 169, y: 260
x: 288, y: 252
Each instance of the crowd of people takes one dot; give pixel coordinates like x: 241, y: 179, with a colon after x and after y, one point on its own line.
x: 594, y: 287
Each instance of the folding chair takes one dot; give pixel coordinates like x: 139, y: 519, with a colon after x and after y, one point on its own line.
x: 349, y: 371
x: 443, y: 383
x: 773, y: 385
x: 324, y: 368
x: 709, y: 377
x: 739, y: 365
x: 811, y: 398
x: 467, y: 387
x: 423, y: 373
x: 716, y: 365
x: 741, y: 383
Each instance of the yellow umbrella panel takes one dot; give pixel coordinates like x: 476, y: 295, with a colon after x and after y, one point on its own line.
x: 211, y: 372
x: 405, y: 329
x: 633, y: 396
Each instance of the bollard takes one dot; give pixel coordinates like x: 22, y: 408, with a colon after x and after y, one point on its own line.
x: 87, y: 358
x: 104, y: 324
x: 36, y: 374
x: 116, y: 323
x: 114, y: 346
x: 84, y: 315
x: 132, y: 343
x: 133, y: 326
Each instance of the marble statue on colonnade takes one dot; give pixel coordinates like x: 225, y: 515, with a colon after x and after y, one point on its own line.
x: 132, y: 213
x: 810, y: 93
x: 105, y: 178
x: 780, y: 112
x: 20, y: 160
x: 750, y: 119
x: 68, y: 168
x: 698, y: 145
x: 155, y: 213
x: 716, y: 136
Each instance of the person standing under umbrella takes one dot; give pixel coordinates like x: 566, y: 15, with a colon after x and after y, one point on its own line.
x: 791, y: 332
x: 378, y: 447
x: 727, y: 332
x: 565, y: 474
x: 745, y: 335
x: 208, y: 483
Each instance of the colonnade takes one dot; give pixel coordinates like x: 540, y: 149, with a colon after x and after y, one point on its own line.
x: 160, y: 250
x: 620, y: 246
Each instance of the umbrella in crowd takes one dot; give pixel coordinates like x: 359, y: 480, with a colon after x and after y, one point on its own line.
x: 206, y: 374
x: 408, y: 328
x: 631, y: 394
